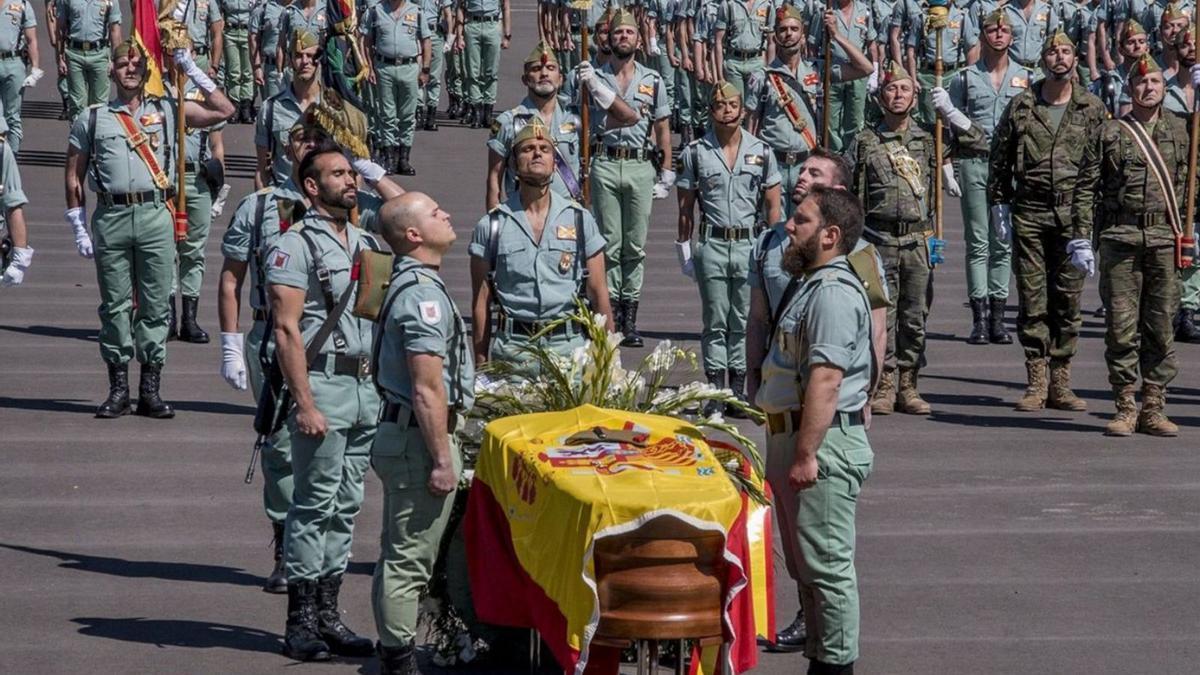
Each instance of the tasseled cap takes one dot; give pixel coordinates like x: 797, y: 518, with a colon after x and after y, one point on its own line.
x: 893, y: 73
x: 1058, y: 39
x: 535, y: 130
x: 128, y: 48
x: 997, y: 18
x: 541, y: 54
x: 622, y: 17
x: 1173, y: 12
x: 303, y: 39
x: 1132, y: 28
x: 1143, y: 67
x: 789, y: 11
x: 725, y: 92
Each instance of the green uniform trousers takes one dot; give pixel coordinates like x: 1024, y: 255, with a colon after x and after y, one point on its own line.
x: 133, y: 244
x: 396, y: 95
x: 63, y: 89
x: 273, y: 80
x: 826, y: 532
x: 12, y: 76
x: 239, y: 74
x: 789, y: 175
x: 569, y: 58
x: 437, y: 62
x: 413, y: 524
x: 1048, y: 287
x: 512, y: 348
x: 723, y: 273
x: 685, y: 89
x: 277, y: 453
x: 847, y: 112
x: 189, y: 253
x: 924, y: 112
x: 738, y: 71
x: 1189, y: 288
x: 781, y: 453
x: 328, y: 476
x: 701, y: 96
x: 621, y: 201
x: 1140, y: 291
x: 908, y: 275
x: 989, y: 258
x: 87, y: 79
x: 482, y: 52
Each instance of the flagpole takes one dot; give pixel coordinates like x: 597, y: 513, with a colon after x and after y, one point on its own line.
x: 1189, y: 230
x: 585, y: 146
x: 181, y: 219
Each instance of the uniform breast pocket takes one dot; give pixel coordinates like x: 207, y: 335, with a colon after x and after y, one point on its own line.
x: 109, y: 147
x: 749, y: 179
x: 339, y: 277
x: 562, y: 257
x: 711, y: 182
x: 514, y: 266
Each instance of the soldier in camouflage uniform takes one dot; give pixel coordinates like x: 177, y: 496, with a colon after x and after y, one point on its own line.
x: 1037, y: 150
x: 1136, y: 213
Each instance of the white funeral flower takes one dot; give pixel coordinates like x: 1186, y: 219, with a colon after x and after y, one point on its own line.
x: 662, y: 358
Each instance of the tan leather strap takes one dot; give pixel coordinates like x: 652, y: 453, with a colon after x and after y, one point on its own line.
x: 140, y: 143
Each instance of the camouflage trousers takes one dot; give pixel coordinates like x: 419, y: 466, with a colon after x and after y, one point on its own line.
x: 908, y: 274
x: 1048, y: 287
x: 1140, y: 290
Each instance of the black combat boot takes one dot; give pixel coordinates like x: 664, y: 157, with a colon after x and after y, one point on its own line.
x: 453, y: 111
x: 431, y: 118
x: 618, y: 314
x: 64, y: 114
x: 341, y: 640
x: 717, y: 379
x: 301, y: 639
x: 189, y: 330
x: 396, y: 660
x: 172, y: 322
x: 685, y: 135
x: 246, y: 109
x: 816, y: 667
x: 393, y: 158
x: 403, y: 167
x: 979, y: 325
x: 792, y: 638
x: 632, y: 338
x: 485, y: 117
x: 150, y: 404
x: 997, y: 333
x: 419, y: 120
x: 277, y: 582
x: 1185, y: 326
x: 117, y: 403
x: 737, y: 383
x: 471, y: 116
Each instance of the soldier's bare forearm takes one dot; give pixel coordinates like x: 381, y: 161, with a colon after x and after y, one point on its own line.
x: 820, y: 405
x: 229, y: 293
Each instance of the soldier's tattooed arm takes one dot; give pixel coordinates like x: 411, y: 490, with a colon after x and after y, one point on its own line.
x: 687, y: 215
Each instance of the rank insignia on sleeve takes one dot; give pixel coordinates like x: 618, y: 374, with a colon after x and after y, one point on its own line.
x: 431, y: 312
x: 647, y: 89
x: 1042, y: 17
x: 280, y: 259
x: 566, y: 232
x: 955, y: 24
x: 564, y: 262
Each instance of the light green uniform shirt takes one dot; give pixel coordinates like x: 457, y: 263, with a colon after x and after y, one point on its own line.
x: 294, y: 19
x: 476, y: 7
x: 646, y: 94
x: 538, y: 280
x: 248, y: 240
x: 237, y: 12
x: 20, y: 16
x: 114, y: 166
x: 200, y: 18
x: 396, y: 34
x: 283, y: 109
x: 775, y: 126
x: 564, y: 128
x: 746, y: 24
x: 266, y: 21
x: 423, y: 319
x: 728, y: 197
x: 860, y: 30
x: 88, y: 20
x: 13, y: 195
x: 972, y: 92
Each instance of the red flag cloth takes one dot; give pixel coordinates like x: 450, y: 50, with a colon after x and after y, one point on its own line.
x: 145, y: 32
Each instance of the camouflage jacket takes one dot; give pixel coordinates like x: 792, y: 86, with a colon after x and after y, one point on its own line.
x: 1032, y: 165
x: 1118, y: 194
x: 886, y: 194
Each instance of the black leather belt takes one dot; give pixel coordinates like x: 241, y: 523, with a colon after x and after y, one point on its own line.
x: 390, y: 412
x: 729, y: 233
x: 10, y: 55
x: 1061, y: 198
x: 87, y: 45
x: 791, y: 158
x: 259, y: 314
x: 354, y: 366
x: 927, y: 69
x: 530, y: 328
x: 483, y: 18
x: 131, y: 198
x: 625, y: 153
x: 398, y: 61
x: 200, y: 50
x: 898, y: 228
x: 739, y: 54
x: 189, y: 167
x: 236, y: 26
x: 789, y: 420
x: 1142, y: 220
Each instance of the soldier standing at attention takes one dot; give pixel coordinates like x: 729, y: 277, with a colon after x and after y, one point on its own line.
x: 1036, y: 153
x: 1127, y: 187
x: 847, y: 99
x: 922, y: 51
x: 239, y: 83
x: 206, y: 28
x: 623, y: 183
x: 732, y: 176
x: 132, y: 223
x: 280, y: 112
x: 893, y: 175
x: 440, y: 17
x: 12, y: 202
x: 87, y: 29
x: 1180, y: 98
x: 487, y: 28
x: 532, y: 256
x: 265, y: 25
x: 60, y: 69
x: 742, y: 35
x: 333, y: 423
x: 782, y: 99
x: 397, y: 34
x: 308, y: 16
x: 18, y: 42
x: 1032, y: 21
x: 815, y: 382
x: 426, y: 379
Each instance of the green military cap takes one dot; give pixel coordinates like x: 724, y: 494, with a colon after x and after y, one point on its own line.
x: 997, y: 18
x: 1132, y: 28
x: 724, y: 91
x: 1059, y: 38
x: 789, y: 11
x: 622, y: 17
x: 1145, y: 65
x: 304, y: 39
x: 1173, y: 12
x: 541, y: 54
x: 536, y: 129
x: 129, y: 47
x: 893, y: 73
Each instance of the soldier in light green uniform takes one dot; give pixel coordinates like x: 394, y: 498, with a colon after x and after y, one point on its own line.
x: 742, y: 32
x: 426, y: 379
x: 132, y: 222
x: 18, y: 41
x: 848, y: 99
x: 397, y: 35
x: 893, y: 174
x: 1036, y: 153
x: 440, y: 17
x: 87, y: 29
x: 487, y: 28
x: 60, y: 63
x: 733, y: 176
x: 280, y: 112
x: 815, y: 382
x: 533, y: 256
x: 1137, y: 222
x: 333, y: 423
x: 266, y: 21
x: 1032, y: 21
x: 308, y: 16
x: 623, y: 171
x: 206, y: 28
x: 662, y: 53
x: 922, y: 51
x: 12, y: 216
x: 1179, y: 100
x: 238, y: 72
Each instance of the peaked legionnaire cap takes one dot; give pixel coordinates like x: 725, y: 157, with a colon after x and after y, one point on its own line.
x: 724, y: 92
x: 304, y: 39
x: 893, y: 73
x: 535, y: 130
x: 789, y: 11
x: 1058, y: 39
x: 541, y: 54
x: 997, y: 18
x: 622, y: 17
x: 1173, y: 12
x: 128, y: 48
x: 1132, y: 28
x: 1145, y: 65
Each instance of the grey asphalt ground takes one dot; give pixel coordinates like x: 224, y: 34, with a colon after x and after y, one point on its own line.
x: 989, y: 541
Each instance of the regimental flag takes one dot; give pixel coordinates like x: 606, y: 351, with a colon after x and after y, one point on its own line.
x: 145, y: 33
x: 343, y: 67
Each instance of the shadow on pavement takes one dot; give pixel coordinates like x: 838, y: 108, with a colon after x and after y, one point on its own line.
x: 86, y: 334
x: 81, y: 406
x: 668, y: 335
x: 180, y: 633
x: 998, y: 421
x: 150, y: 569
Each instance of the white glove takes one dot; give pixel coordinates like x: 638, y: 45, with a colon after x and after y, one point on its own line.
x: 1002, y: 221
x: 953, y: 116
x: 662, y: 188
x: 601, y: 94
x: 370, y: 171
x: 1195, y: 72
x: 683, y: 251
x: 183, y: 59
x: 34, y: 76
x: 83, y: 243
x: 1081, y: 256
x: 15, y: 274
x: 218, y: 206
x: 180, y: 12
x: 948, y: 181
x: 448, y: 46
x: 233, y: 364
x: 654, y: 49
x: 873, y: 80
